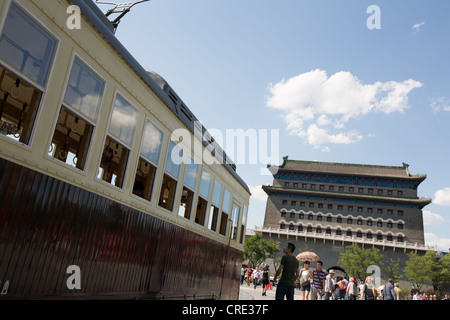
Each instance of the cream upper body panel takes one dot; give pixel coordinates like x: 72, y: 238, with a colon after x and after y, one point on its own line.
x: 90, y: 48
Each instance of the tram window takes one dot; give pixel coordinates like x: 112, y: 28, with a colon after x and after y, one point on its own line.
x: 145, y: 177
x: 201, y: 211
x: 118, y: 142
x: 19, y: 103
x: 26, y: 46
x: 151, y: 142
x: 234, y: 221
x: 172, y: 172
x: 147, y: 166
x: 113, y: 163
x: 123, y: 121
x: 77, y: 117
x: 223, y: 223
x: 214, y: 215
x: 71, y: 139
x: 84, y: 91
x: 225, y: 210
x: 244, y: 221
x: 168, y: 189
x: 217, y: 193
x: 214, y: 211
x: 187, y: 196
x: 174, y: 159
x: 205, y: 186
x: 190, y: 176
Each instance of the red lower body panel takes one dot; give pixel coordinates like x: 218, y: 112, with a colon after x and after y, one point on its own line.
x: 47, y: 225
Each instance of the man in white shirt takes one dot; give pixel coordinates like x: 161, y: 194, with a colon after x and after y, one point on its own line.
x: 256, y: 276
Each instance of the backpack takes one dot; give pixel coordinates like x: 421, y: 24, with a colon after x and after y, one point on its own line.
x: 368, y: 294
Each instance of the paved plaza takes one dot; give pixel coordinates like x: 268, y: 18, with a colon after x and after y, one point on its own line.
x: 249, y: 293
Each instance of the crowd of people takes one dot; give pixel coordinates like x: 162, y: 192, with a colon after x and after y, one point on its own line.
x: 317, y: 284
x: 256, y: 276
x: 424, y: 296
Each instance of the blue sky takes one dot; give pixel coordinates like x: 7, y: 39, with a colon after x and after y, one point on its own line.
x: 336, y: 90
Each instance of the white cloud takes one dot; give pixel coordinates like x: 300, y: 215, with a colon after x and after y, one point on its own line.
x: 443, y: 244
x: 318, y: 136
x: 430, y: 218
x: 442, y: 197
x: 317, y: 108
x: 416, y: 27
x: 440, y: 103
x: 258, y: 193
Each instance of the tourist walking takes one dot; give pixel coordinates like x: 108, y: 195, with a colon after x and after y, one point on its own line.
x: 243, y: 270
x: 389, y: 292
x: 329, y: 285
x: 361, y: 288
x: 342, y: 285
x: 398, y: 292
x: 352, y: 290
x: 368, y: 292
x: 249, y: 275
x: 318, y: 284
x: 256, y: 276
x: 289, y: 270
x: 265, y: 280
x: 305, y: 281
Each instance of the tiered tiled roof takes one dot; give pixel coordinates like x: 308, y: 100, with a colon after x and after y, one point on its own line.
x: 347, y: 169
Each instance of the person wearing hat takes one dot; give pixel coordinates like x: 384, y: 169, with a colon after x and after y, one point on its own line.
x: 352, y: 292
x: 329, y: 285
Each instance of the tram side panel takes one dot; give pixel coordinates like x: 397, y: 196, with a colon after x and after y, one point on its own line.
x: 47, y: 225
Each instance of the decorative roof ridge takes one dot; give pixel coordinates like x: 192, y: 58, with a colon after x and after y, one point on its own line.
x: 345, y: 164
x: 404, y: 169
x: 409, y: 177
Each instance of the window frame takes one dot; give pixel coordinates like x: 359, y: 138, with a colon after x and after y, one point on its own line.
x: 46, y: 29
x: 215, y: 205
x: 235, y: 220
x: 110, y: 136
x: 37, y: 115
x: 226, y: 211
x: 207, y: 199
x: 62, y: 104
x: 170, y: 175
x: 156, y: 165
x: 133, y: 141
x: 39, y: 87
x: 184, y: 185
x: 243, y: 222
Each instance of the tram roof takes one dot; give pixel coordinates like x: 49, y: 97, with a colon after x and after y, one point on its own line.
x: 156, y: 83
